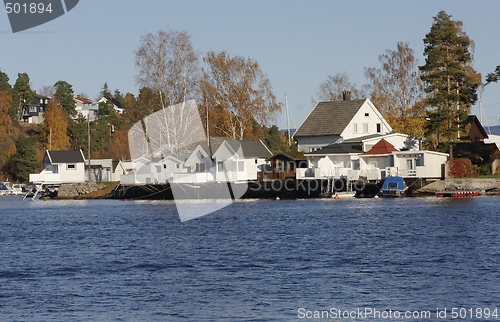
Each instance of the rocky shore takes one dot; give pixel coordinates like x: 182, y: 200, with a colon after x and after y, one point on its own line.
x: 94, y: 190
x: 86, y: 190
x: 483, y: 186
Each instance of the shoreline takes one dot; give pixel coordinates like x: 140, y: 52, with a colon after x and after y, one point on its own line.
x: 312, y: 189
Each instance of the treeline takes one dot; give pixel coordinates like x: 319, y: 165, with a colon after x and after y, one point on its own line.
x: 430, y: 100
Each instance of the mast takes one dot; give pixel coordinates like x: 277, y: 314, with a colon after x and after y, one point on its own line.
x: 88, y: 142
x: 287, y: 119
x: 206, y: 123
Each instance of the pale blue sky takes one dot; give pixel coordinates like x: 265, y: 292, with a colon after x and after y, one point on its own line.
x: 297, y: 43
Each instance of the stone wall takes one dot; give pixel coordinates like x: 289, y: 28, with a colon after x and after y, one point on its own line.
x: 463, y: 184
x: 73, y: 190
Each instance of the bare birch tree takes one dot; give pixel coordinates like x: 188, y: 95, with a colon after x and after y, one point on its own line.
x: 169, y: 67
x: 237, y: 93
x: 333, y: 88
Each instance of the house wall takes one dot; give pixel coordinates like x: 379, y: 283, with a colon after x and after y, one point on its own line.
x: 366, y: 125
x: 68, y: 175
x: 398, y: 140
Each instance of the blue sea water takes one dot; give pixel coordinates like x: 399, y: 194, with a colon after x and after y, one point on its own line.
x: 111, y: 260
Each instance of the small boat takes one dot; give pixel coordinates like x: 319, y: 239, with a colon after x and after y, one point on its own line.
x: 393, y: 187
x: 457, y: 194
x: 4, y: 188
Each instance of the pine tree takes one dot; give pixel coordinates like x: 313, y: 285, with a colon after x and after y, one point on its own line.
x: 449, y: 79
x: 24, y: 160
x: 64, y: 96
x: 493, y: 77
x: 23, y: 96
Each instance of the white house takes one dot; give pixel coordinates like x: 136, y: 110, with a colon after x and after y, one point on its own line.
x: 334, y: 160
x: 232, y: 161
x: 140, y: 171
x: 381, y: 160
x: 86, y: 108
x: 116, y: 105
x: 337, y: 121
x: 240, y: 160
x: 61, y: 167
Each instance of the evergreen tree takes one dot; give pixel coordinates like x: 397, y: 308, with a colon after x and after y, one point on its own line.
x: 493, y: 77
x: 78, y: 134
x: 4, y: 82
x: 64, y: 96
x: 23, y: 96
x: 105, y: 92
x: 24, y: 161
x: 449, y: 79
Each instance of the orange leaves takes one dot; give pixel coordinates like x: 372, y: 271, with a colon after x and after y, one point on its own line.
x: 55, y: 131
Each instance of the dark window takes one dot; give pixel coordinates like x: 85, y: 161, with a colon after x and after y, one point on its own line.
x: 379, y: 128
x: 367, y: 114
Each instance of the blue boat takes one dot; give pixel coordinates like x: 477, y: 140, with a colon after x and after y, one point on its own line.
x: 393, y: 187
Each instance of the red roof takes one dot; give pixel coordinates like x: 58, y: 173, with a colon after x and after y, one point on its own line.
x: 382, y: 147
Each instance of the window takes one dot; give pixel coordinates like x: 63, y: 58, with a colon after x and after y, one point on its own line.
x: 365, y: 128
x: 71, y: 167
x: 355, y: 164
x: 379, y: 127
x: 164, y: 166
x: 220, y: 166
x: 355, y: 128
x: 367, y: 114
x: 409, y: 164
x: 241, y: 165
x: 256, y: 161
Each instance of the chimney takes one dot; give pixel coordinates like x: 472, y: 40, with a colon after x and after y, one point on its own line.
x: 346, y: 95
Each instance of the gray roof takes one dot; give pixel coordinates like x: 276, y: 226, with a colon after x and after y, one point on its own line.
x: 68, y: 156
x: 250, y: 148
x: 336, y: 148
x: 329, y: 118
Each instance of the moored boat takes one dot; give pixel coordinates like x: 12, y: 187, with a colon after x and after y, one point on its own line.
x: 4, y: 188
x: 457, y: 194
x: 393, y: 187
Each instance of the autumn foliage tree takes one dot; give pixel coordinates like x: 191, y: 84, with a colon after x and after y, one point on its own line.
x: 237, y: 94
x: 5, y: 106
x: 395, y: 89
x: 55, y: 130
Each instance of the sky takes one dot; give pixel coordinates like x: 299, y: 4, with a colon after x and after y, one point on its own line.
x: 297, y: 43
